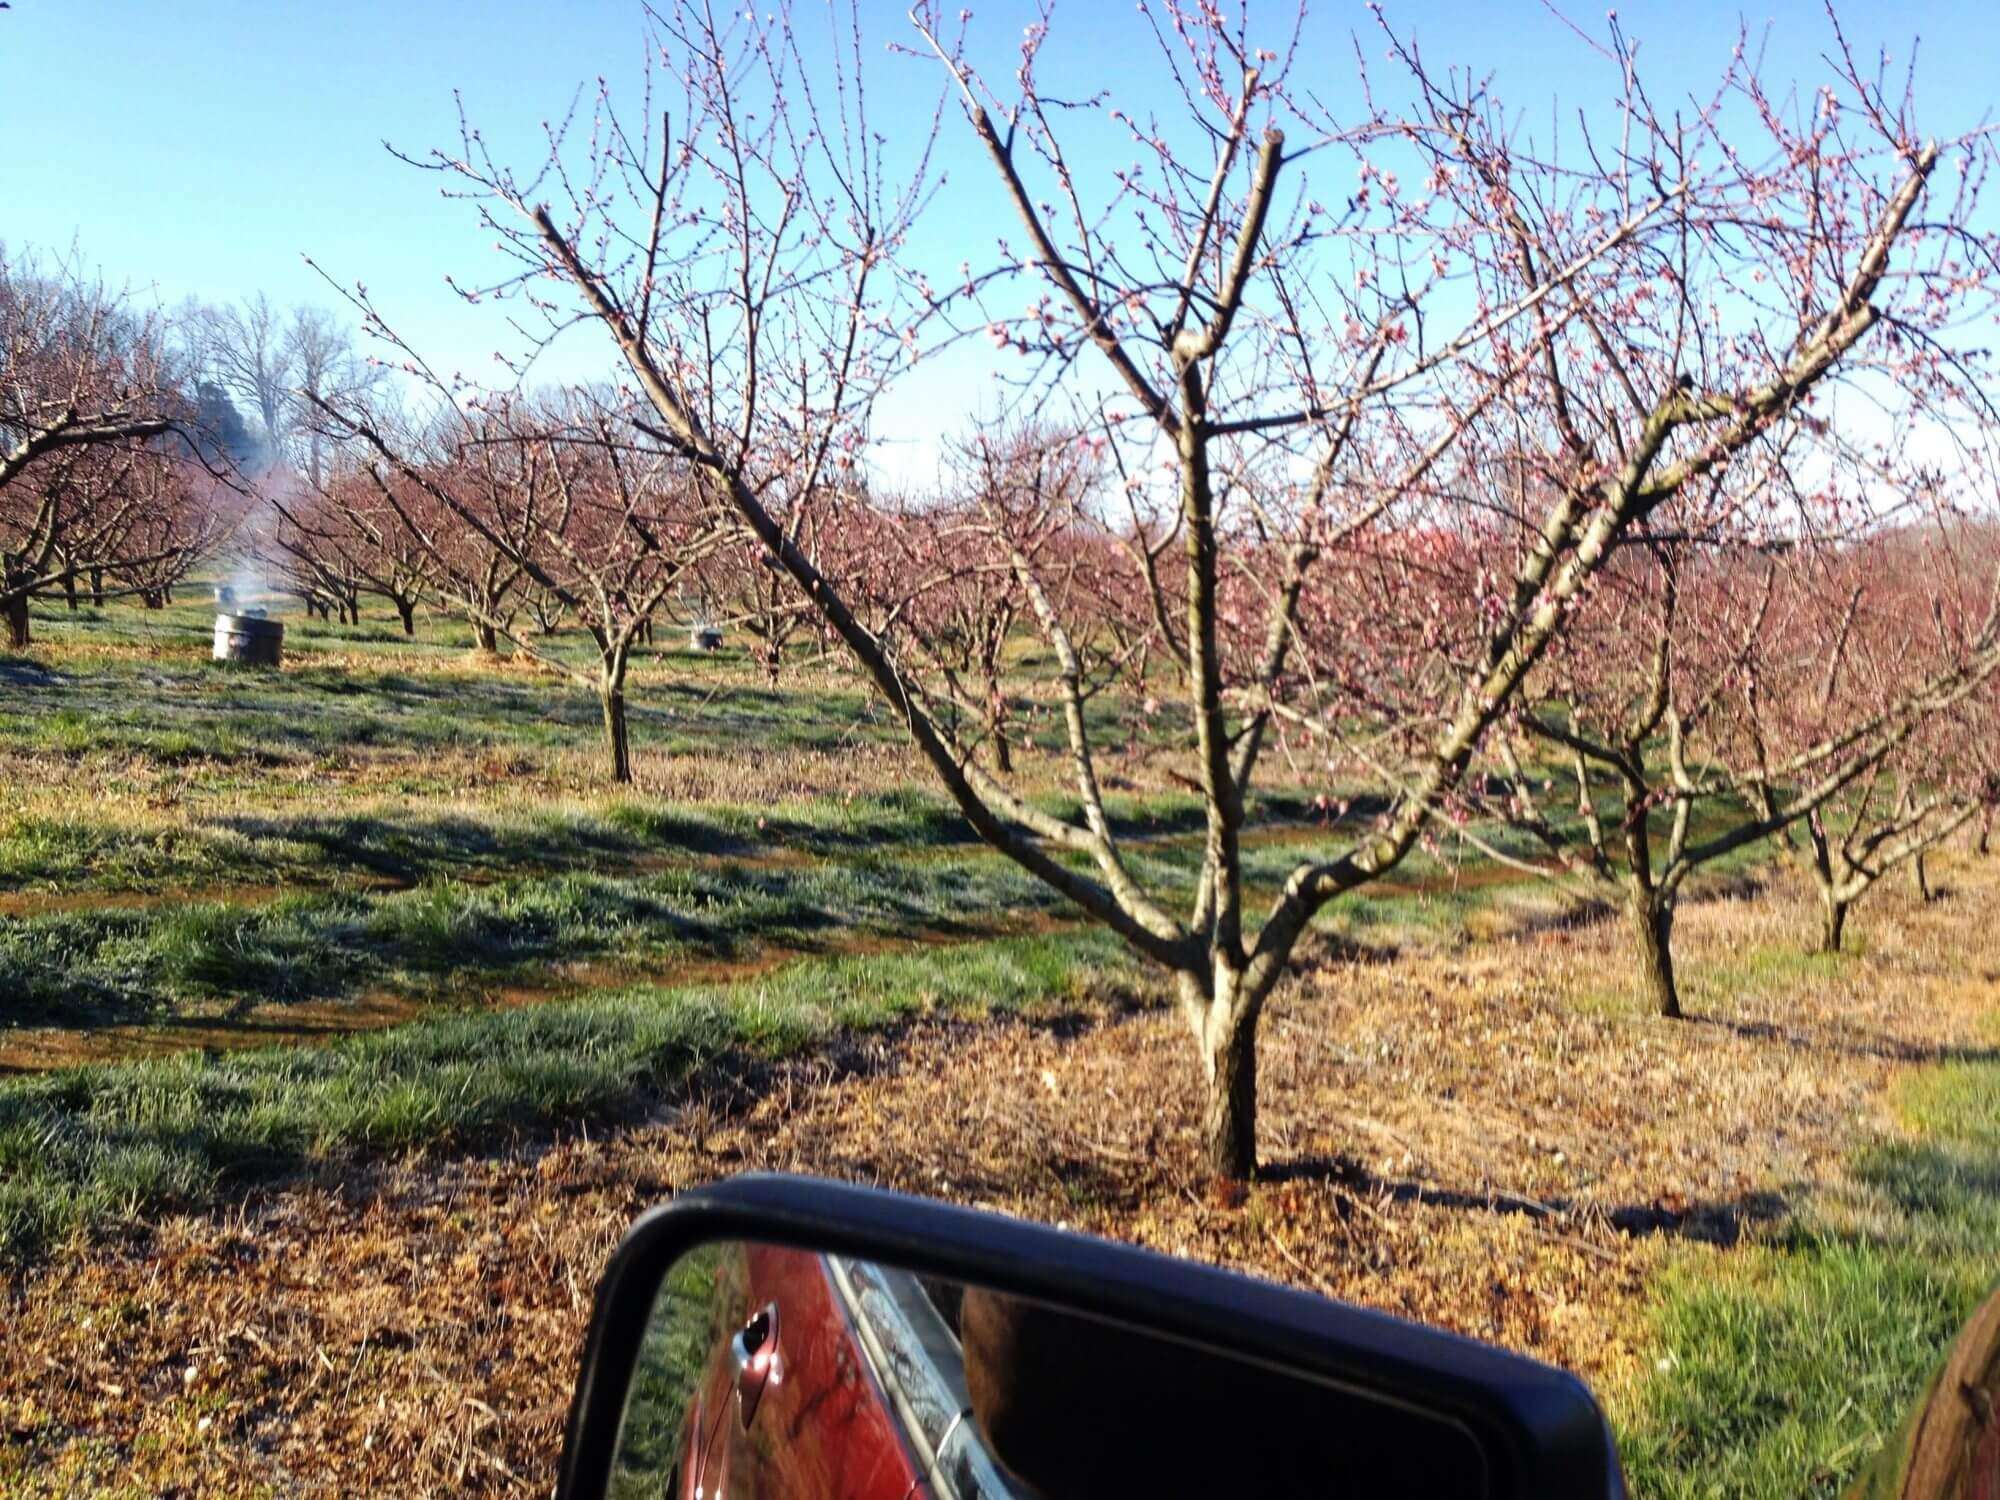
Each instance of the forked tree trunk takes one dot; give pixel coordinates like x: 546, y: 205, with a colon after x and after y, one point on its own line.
x: 1653, y: 927
x: 616, y: 739
x: 1832, y: 923
x: 152, y: 599
x: 19, y: 633
x: 485, y: 638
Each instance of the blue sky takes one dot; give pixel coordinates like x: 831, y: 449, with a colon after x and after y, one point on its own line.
x: 198, y: 148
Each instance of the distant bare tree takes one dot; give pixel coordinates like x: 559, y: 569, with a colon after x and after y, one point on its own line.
x: 1906, y: 611
x: 265, y: 358
x: 181, y: 517
x: 597, y: 515
x: 84, y: 386
x: 243, y: 348
x: 341, y: 530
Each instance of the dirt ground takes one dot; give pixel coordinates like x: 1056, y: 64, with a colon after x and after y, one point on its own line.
x: 1493, y: 1139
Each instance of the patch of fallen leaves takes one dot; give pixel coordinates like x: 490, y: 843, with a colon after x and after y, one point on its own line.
x: 1495, y: 1140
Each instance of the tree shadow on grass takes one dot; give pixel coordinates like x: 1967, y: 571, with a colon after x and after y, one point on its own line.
x: 1937, y: 1187
x: 87, y: 970
x: 1849, y: 1041
x: 407, y: 850
x: 1572, y: 916
x: 26, y: 672
x: 1719, y: 1221
x: 1324, y: 947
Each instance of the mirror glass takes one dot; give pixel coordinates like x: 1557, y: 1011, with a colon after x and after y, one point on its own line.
x: 778, y: 1372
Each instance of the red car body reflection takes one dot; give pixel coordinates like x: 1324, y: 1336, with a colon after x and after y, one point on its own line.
x: 822, y: 1427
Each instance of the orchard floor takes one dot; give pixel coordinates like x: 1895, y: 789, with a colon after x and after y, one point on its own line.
x: 1487, y: 1135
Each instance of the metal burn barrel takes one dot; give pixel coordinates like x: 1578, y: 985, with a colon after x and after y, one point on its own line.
x: 250, y: 639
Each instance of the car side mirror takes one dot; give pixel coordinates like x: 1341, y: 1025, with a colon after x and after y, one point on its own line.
x: 776, y: 1336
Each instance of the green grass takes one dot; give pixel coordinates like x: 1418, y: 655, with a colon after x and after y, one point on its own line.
x: 1785, y: 1367
x: 187, y: 958
x: 135, y: 686
x: 131, y: 682
x: 404, y: 844
x: 91, y: 1147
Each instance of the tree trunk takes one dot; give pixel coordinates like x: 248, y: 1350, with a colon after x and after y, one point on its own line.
x: 1653, y: 926
x: 1985, y: 831
x: 1229, y: 1059
x: 1920, y: 875
x: 97, y: 588
x: 406, y: 611
x: 1945, y: 1449
x: 151, y: 598
x: 996, y: 715
x: 69, y: 590
x: 485, y: 639
x: 167, y: 594
x: 1832, y: 924
x: 615, y: 736
x: 18, y: 632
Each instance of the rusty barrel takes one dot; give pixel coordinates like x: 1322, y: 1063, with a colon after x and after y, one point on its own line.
x: 250, y: 639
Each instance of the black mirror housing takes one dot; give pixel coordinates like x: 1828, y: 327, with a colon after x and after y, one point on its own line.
x: 1537, y: 1429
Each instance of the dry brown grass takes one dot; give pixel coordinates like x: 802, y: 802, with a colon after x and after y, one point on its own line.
x: 1491, y: 1138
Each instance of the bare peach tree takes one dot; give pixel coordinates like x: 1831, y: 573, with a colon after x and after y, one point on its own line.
x: 1659, y: 716
x: 305, y: 542
x: 1910, y: 603
x: 1295, y: 378
x: 1721, y: 694
x: 482, y: 573
x: 956, y: 573
x: 84, y: 383
x: 181, y: 515
x: 338, y: 533
x: 571, y: 493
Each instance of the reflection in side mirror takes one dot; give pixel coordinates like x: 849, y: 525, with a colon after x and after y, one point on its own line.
x: 754, y: 1353
x: 898, y: 1384
x: 841, y: 1342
